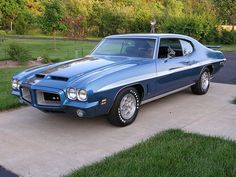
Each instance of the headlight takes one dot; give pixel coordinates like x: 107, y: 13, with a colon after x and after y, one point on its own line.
x: 82, y: 95
x: 16, y: 84
x: 71, y: 93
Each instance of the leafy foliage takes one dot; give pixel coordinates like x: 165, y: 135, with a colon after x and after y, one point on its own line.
x: 228, y: 37
x: 226, y: 11
x: 10, y: 10
x: 200, y: 19
x: 18, y: 53
x: 52, y: 17
x: 195, y: 26
x: 74, y: 26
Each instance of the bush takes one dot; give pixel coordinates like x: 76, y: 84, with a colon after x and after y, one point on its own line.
x: 46, y: 59
x: 200, y: 28
x: 18, y: 53
x: 22, y: 24
x: 2, y: 36
x: 228, y: 37
x: 2, y: 33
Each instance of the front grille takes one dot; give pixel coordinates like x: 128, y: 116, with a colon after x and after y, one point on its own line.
x: 26, y: 94
x: 48, y: 98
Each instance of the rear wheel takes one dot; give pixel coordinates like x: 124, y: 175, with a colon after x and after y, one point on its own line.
x: 202, y: 85
x: 125, y: 108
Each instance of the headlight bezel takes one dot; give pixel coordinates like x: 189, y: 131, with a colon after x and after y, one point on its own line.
x: 69, y: 91
x: 82, y: 95
x: 15, y: 84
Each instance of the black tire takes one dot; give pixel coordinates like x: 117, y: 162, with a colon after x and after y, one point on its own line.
x: 115, y: 116
x: 200, y: 88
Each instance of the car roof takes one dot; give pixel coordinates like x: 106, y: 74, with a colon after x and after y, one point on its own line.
x: 150, y: 35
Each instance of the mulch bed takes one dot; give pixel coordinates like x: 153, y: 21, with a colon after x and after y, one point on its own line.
x: 12, y: 64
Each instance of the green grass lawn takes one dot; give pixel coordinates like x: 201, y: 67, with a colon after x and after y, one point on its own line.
x: 65, y: 49
x: 229, y: 48
x: 171, y: 153
x: 7, y: 101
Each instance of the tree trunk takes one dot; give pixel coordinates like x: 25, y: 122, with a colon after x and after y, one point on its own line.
x: 54, y: 40
x: 233, y: 27
x: 11, y: 25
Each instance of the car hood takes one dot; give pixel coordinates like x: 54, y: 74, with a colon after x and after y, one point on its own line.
x: 84, y: 66
x: 80, y: 70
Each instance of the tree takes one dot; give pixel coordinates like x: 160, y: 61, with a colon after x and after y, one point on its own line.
x: 9, y: 10
x: 173, y: 8
x: 226, y: 11
x: 51, y: 20
x: 79, y: 8
x: 75, y: 29
x: 35, y: 7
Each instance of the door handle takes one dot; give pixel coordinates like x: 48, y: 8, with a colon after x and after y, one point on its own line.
x: 186, y: 62
x: 175, y: 68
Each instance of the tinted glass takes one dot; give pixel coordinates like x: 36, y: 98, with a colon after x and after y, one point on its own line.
x: 130, y: 47
x: 170, y: 48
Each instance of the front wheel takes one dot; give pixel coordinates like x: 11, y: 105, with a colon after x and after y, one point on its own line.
x: 203, y: 84
x: 125, y: 108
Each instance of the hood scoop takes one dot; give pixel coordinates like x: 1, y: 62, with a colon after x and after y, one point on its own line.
x: 40, y: 76
x: 58, y: 78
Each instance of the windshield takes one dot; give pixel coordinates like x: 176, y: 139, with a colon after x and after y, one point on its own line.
x: 130, y: 47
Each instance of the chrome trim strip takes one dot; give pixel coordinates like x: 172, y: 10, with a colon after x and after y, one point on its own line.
x: 166, y: 94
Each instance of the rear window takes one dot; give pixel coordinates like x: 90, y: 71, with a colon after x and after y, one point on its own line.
x: 186, y: 47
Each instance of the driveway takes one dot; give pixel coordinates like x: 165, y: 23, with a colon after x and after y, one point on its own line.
x: 46, y: 145
x: 227, y: 74
x: 38, y: 144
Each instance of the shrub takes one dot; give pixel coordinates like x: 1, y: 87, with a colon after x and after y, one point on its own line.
x: 21, y: 25
x: 228, y: 37
x: 200, y: 28
x: 55, y: 60
x: 46, y: 59
x: 18, y: 53
x: 2, y: 33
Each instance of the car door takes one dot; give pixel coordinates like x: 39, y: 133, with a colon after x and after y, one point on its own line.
x: 173, y: 65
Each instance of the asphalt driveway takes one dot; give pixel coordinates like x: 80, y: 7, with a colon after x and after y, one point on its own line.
x: 36, y: 144
x: 227, y: 74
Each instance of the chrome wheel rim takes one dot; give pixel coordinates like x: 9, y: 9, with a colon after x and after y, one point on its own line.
x: 205, y: 80
x: 128, y: 106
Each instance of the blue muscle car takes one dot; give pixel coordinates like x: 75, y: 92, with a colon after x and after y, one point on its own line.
x: 120, y: 74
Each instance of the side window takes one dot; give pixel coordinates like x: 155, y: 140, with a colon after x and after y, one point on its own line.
x: 187, y: 47
x: 170, y: 47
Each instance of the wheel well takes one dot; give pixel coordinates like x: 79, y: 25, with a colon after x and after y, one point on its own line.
x: 138, y: 87
x: 210, y: 67
x: 140, y: 90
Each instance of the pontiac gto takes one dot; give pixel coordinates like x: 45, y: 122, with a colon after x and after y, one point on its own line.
x: 120, y: 74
